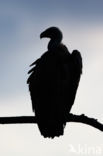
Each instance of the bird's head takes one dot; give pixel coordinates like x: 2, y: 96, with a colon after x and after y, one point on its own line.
x: 54, y: 34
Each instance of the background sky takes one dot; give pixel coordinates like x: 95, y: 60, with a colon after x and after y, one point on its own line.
x: 21, y: 22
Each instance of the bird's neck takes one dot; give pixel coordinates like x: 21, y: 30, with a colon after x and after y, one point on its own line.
x: 54, y: 43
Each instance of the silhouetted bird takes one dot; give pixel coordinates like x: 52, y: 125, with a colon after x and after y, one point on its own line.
x: 53, y: 84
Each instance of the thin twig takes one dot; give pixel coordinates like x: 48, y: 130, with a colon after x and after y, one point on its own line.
x: 71, y: 118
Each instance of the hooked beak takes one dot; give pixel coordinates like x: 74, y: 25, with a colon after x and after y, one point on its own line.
x: 42, y: 35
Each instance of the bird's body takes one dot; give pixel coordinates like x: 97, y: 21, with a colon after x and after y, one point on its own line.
x: 53, y: 84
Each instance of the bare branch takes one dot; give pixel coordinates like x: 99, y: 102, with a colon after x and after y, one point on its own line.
x: 71, y: 118
x: 18, y: 120
x: 85, y: 120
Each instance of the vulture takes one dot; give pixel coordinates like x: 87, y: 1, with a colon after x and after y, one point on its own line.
x: 53, y: 83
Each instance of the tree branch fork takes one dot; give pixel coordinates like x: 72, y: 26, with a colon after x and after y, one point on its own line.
x: 71, y: 118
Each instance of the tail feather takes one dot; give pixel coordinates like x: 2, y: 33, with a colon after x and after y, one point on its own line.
x: 51, y: 129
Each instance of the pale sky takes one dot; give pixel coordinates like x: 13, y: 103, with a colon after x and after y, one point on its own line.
x: 21, y: 22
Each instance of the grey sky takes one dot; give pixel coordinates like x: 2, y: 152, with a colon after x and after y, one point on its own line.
x: 21, y: 22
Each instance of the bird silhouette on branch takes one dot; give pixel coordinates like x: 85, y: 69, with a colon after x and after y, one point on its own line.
x: 53, y: 83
